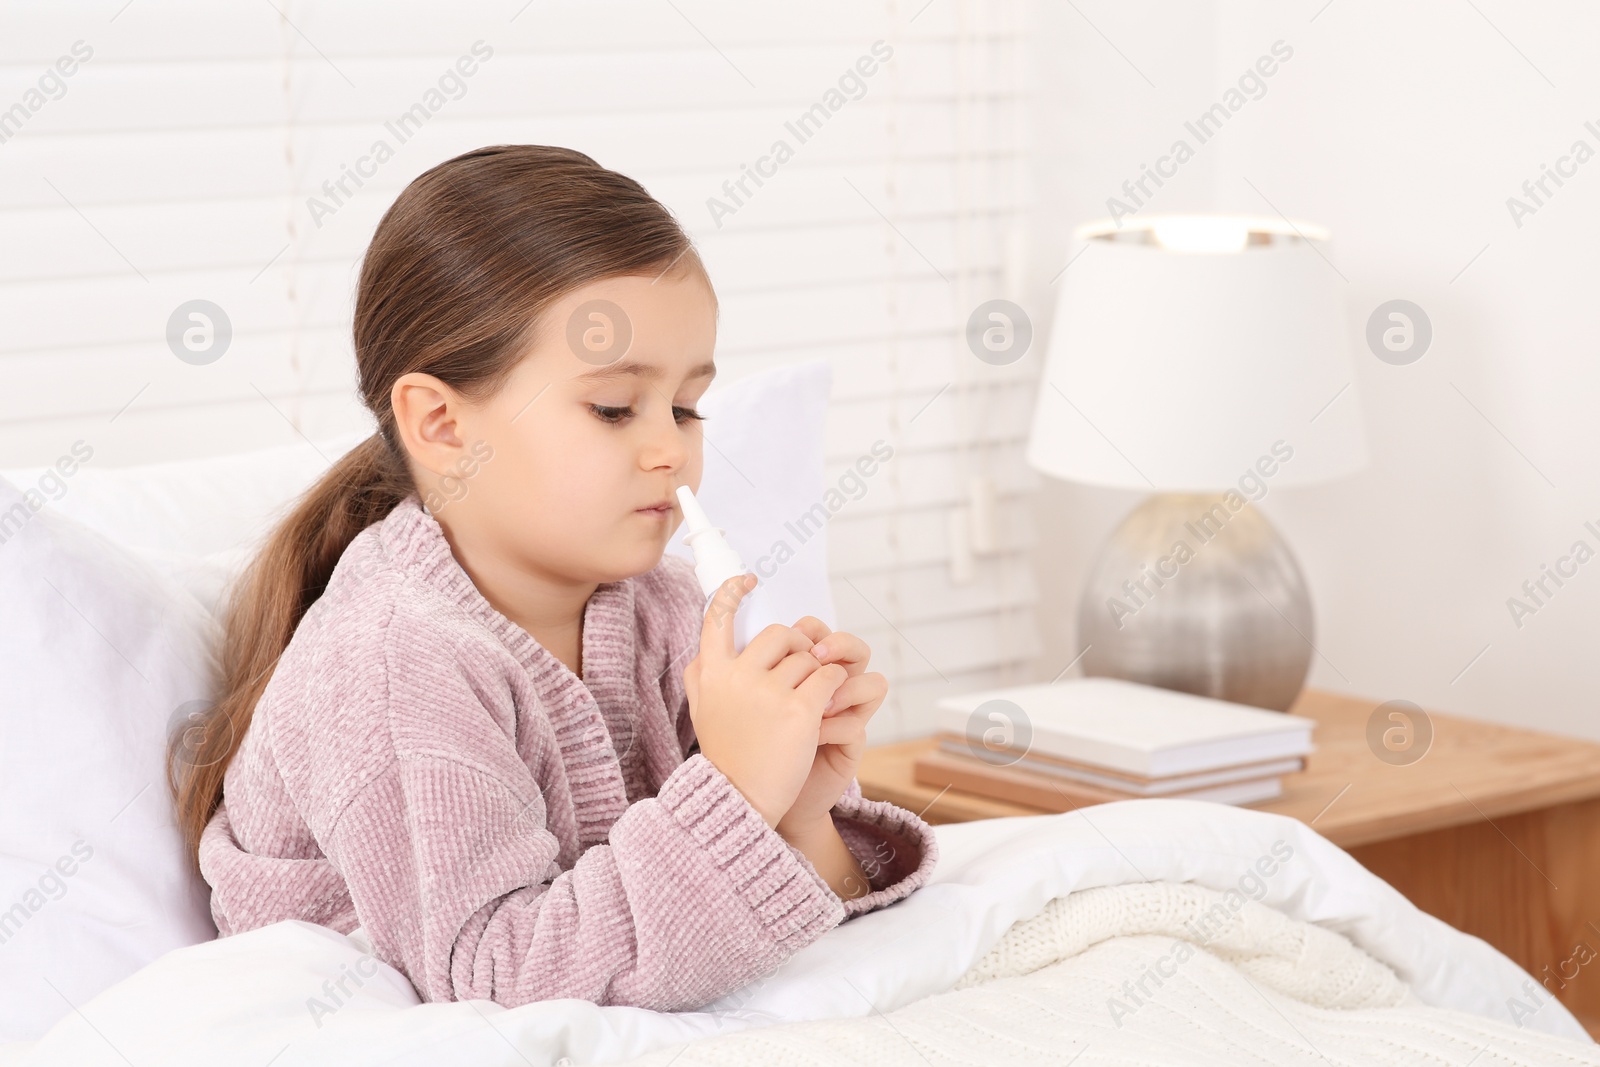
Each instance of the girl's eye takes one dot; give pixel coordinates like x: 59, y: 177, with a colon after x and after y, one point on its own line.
x: 615, y: 415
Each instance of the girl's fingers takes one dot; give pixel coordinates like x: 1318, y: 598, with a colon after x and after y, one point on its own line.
x: 796, y: 667
x: 821, y: 684
x: 846, y: 728
x: 843, y: 648
x: 775, y: 641
x: 861, y: 691
x: 813, y: 628
x: 716, y: 628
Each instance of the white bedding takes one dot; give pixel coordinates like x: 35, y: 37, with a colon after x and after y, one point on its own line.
x: 1160, y: 974
x: 254, y: 997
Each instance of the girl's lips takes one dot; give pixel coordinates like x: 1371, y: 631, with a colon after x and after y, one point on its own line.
x: 661, y: 511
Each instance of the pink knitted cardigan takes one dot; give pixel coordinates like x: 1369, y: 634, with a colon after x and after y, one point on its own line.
x: 420, y: 766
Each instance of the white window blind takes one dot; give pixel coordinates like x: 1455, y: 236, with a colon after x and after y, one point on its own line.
x: 156, y: 152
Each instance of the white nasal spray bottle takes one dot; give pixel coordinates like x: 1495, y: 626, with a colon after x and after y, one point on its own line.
x: 715, y: 561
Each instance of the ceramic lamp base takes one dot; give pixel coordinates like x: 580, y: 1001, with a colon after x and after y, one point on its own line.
x: 1189, y: 594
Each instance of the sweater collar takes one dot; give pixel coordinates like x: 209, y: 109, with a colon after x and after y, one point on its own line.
x: 592, y: 714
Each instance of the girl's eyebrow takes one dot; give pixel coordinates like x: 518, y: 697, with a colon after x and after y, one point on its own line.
x: 635, y: 369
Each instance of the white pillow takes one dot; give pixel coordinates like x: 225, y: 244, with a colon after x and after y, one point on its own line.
x: 762, y: 483
x: 197, y: 521
x: 144, y: 554
x: 98, y: 652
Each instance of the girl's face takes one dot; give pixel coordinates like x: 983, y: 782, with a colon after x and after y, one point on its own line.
x: 555, y: 475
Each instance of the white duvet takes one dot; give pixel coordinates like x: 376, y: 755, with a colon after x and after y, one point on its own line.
x: 1153, y: 974
x: 294, y: 993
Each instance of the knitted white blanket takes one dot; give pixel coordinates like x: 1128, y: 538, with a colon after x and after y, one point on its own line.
x: 1153, y: 973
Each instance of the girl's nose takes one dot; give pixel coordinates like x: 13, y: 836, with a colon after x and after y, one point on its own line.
x: 667, y: 446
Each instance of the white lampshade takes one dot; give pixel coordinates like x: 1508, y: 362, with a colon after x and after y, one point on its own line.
x: 1185, y: 348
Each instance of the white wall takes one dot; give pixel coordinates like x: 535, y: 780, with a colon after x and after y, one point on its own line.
x: 1404, y: 129
x: 180, y: 160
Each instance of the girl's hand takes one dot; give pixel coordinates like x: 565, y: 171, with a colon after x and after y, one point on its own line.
x: 758, y: 713
x: 842, y: 736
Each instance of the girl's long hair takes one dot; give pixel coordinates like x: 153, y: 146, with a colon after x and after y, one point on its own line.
x: 453, y: 284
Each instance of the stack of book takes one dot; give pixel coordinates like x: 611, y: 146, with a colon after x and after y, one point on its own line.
x: 1062, y: 745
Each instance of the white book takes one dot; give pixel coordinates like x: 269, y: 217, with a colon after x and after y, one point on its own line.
x: 1240, y: 792
x: 1144, y: 787
x: 1135, y: 729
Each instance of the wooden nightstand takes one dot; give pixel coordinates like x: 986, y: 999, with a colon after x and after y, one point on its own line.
x: 1495, y: 830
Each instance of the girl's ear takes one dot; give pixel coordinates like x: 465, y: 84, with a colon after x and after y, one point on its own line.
x: 428, y: 415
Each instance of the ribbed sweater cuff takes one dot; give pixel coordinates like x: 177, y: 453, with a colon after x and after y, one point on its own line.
x: 897, y: 850
x: 789, y: 898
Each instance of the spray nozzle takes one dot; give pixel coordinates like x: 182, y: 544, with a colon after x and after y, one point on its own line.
x: 715, y: 561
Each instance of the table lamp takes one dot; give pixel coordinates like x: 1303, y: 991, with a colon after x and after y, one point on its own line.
x: 1205, y: 359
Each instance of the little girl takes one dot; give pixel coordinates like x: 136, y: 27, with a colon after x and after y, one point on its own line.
x: 471, y: 711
